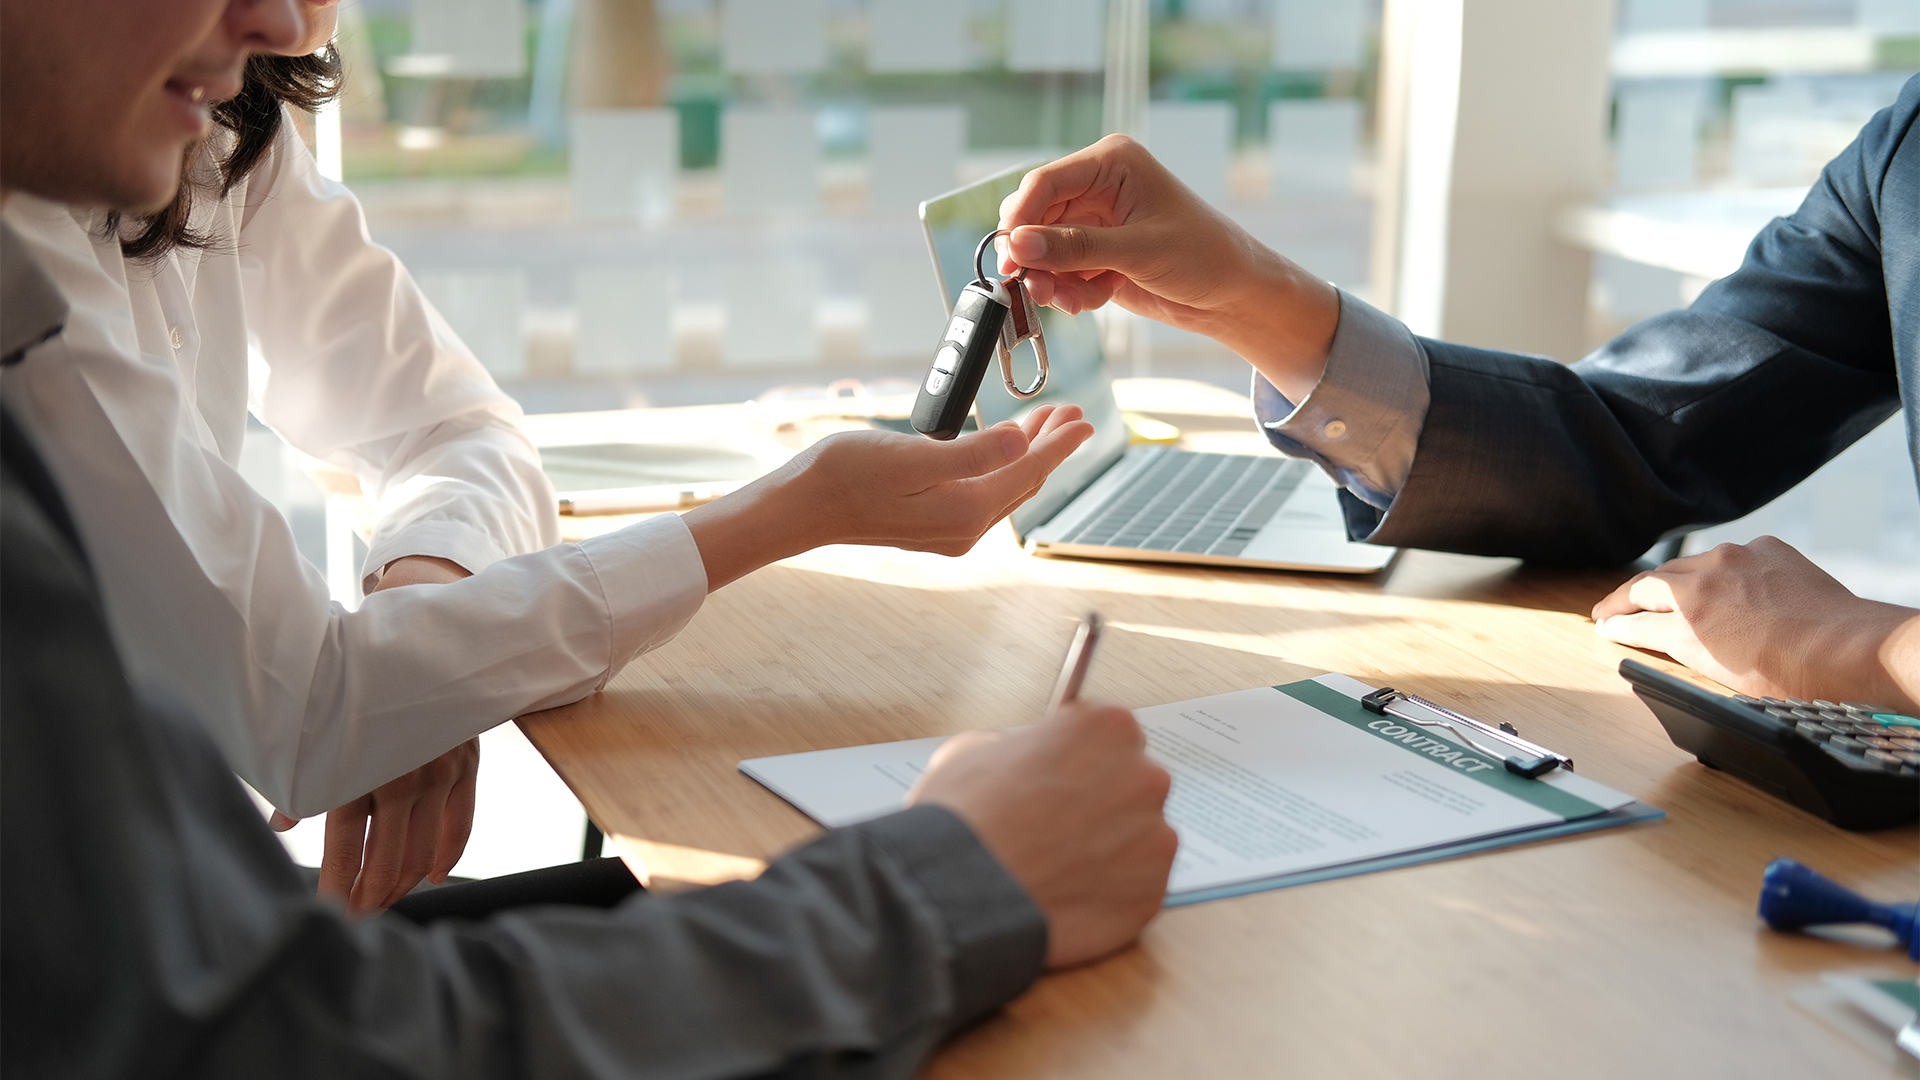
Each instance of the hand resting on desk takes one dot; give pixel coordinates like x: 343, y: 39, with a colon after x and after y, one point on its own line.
x: 882, y: 487
x: 1765, y: 621
x: 1072, y: 807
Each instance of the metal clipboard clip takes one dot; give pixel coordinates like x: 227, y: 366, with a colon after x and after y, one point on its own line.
x: 1521, y: 757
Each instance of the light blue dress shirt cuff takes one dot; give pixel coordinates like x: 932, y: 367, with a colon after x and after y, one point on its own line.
x: 1362, y: 421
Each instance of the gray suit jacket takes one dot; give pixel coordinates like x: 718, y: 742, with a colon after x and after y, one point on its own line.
x: 1694, y: 417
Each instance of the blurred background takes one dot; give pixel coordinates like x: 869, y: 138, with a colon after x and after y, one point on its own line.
x: 623, y: 203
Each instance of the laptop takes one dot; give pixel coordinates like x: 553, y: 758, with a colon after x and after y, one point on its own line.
x: 1112, y: 500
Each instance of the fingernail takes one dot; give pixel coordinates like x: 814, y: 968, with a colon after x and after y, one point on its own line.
x: 1028, y: 247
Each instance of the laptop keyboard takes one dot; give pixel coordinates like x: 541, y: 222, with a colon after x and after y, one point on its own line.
x: 1210, y: 504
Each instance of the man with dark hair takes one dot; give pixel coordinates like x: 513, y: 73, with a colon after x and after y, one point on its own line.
x: 150, y: 924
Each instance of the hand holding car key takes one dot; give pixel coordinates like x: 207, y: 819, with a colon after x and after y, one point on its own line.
x: 987, y: 315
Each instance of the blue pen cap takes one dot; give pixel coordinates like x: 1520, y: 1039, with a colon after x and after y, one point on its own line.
x: 1793, y: 897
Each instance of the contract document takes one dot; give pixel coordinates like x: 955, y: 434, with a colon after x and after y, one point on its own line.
x: 1271, y: 787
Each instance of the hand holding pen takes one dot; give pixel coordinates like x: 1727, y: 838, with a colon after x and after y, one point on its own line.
x: 1071, y: 807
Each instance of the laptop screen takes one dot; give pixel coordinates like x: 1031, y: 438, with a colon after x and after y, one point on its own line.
x: 955, y: 223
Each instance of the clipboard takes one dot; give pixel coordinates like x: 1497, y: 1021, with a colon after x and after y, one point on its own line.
x: 1287, y: 785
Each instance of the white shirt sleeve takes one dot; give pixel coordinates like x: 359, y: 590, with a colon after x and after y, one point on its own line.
x: 354, y: 367
x: 214, y: 610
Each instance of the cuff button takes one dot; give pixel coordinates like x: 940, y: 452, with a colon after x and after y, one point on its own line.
x: 1336, y: 429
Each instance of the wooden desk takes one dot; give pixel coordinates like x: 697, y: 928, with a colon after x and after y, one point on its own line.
x: 1633, y: 952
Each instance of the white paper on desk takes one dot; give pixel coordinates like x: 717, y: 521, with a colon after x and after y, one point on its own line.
x: 1263, y: 785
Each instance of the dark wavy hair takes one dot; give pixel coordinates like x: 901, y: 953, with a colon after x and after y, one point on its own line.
x: 304, y: 82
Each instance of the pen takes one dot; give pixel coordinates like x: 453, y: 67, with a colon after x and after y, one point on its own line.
x: 1079, y: 657
x: 644, y: 500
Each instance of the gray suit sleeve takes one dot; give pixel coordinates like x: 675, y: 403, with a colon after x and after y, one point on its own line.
x: 1691, y: 418
x: 154, y: 927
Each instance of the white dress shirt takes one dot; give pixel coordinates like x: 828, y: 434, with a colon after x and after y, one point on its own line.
x: 140, y: 407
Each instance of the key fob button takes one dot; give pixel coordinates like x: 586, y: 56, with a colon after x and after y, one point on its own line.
x: 937, y: 381
x: 960, y: 329
x: 948, y: 360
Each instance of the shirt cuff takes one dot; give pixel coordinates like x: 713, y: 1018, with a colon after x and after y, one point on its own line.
x: 996, y: 933
x: 454, y: 541
x: 653, y: 579
x: 1362, y: 421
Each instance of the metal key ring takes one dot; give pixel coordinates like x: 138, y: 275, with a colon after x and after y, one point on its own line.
x: 1039, y: 378
x: 1006, y: 354
x: 980, y: 275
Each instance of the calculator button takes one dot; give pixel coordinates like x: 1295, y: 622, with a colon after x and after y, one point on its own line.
x: 1806, y: 714
x: 1823, y: 703
x: 1876, y: 742
x: 1911, y: 757
x: 1857, y: 707
x: 1897, y: 720
x: 1799, y: 703
x: 1782, y: 712
x: 1844, y: 742
x: 1880, y: 757
x: 1907, y: 744
x: 1816, y: 732
x: 1773, y: 701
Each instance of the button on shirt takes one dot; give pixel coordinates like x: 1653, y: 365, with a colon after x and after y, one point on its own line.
x: 140, y: 408
x: 1362, y: 421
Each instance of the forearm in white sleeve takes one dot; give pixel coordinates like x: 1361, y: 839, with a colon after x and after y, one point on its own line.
x: 215, y: 612
x: 1362, y: 421
x: 356, y: 369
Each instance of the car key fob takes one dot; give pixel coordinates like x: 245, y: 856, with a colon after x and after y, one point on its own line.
x: 973, y: 334
x: 988, y: 315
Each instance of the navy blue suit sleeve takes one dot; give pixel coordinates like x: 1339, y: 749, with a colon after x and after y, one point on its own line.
x: 1691, y: 418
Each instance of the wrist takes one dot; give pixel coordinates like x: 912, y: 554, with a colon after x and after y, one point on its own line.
x: 1283, y: 322
x: 1874, y: 650
x: 773, y: 518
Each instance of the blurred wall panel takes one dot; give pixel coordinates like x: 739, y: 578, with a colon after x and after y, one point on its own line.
x: 624, y: 164
x: 772, y: 310
x: 761, y: 37
x: 914, y: 153
x: 624, y: 321
x: 1194, y: 140
x: 1056, y: 35
x: 1637, y: 16
x: 1656, y: 135
x: 769, y: 159
x: 1316, y: 35
x: 1313, y: 144
x: 905, y: 315
x: 487, y: 309
x: 905, y: 36
x: 483, y: 39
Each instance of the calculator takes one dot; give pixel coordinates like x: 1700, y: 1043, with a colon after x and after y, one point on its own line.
x: 1856, y: 765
